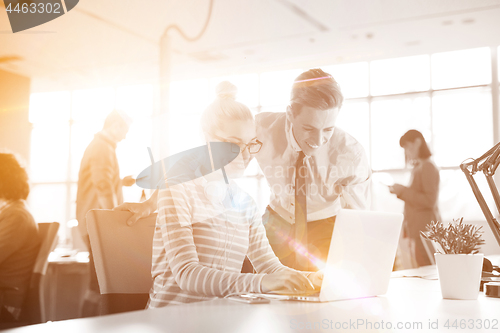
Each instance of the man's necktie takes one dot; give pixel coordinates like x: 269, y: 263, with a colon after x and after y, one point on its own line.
x: 301, y: 260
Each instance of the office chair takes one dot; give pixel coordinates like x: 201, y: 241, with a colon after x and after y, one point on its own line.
x: 33, y: 311
x: 122, y: 257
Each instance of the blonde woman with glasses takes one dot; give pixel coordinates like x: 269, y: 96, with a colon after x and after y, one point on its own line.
x: 206, y: 227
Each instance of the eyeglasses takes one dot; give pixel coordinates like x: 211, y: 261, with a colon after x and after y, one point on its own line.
x: 253, y: 147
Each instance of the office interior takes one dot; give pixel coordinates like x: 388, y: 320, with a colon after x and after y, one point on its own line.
x: 426, y: 65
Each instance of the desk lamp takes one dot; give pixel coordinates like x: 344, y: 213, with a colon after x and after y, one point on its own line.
x: 488, y: 164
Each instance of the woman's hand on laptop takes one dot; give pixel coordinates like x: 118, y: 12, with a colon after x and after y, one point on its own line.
x: 316, y: 278
x: 140, y: 210
x: 287, y: 281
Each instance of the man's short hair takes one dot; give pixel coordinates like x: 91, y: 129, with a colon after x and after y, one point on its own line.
x: 13, y: 178
x: 117, y: 116
x: 316, y: 89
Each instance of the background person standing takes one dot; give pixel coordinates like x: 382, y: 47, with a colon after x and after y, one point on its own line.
x: 421, y: 196
x: 100, y: 187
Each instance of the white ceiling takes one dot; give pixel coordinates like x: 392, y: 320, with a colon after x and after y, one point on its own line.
x: 110, y: 42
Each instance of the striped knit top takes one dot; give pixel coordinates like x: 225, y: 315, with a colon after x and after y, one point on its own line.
x: 200, y: 243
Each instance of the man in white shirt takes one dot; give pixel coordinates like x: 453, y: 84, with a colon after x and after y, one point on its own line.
x: 303, y: 149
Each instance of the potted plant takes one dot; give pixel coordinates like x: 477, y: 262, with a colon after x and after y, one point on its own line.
x: 459, y: 264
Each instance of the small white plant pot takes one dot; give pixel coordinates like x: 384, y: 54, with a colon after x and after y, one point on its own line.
x: 459, y: 274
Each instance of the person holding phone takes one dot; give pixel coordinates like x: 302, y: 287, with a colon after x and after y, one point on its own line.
x: 421, y: 196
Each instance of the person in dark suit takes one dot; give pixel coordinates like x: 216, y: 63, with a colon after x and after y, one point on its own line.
x: 421, y: 196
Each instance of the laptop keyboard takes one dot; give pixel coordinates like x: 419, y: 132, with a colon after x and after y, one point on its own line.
x: 310, y: 294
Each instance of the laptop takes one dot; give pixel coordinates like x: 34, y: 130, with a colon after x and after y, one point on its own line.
x: 360, y: 259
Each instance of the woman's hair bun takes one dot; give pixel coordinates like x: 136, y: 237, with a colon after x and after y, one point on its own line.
x: 226, y: 90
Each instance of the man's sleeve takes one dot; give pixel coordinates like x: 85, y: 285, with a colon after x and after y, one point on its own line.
x: 356, y: 189
x: 101, y: 174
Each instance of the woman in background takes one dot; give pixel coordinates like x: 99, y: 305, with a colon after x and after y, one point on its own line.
x: 19, y: 241
x: 421, y: 197
x: 206, y: 227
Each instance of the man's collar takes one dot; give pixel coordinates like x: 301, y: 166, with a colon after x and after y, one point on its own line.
x: 292, y: 141
x: 290, y: 137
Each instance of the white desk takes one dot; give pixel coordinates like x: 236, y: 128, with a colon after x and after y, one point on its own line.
x: 410, y: 301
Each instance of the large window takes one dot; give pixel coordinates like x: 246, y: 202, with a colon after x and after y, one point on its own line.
x: 64, y: 123
x: 390, y: 118
x: 447, y: 96
x: 466, y: 115
x: 400, y: 75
